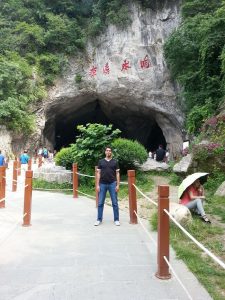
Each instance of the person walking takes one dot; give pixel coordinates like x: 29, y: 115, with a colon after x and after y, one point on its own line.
x: 2, y: 159
x: 108, y: 179
x: 24, y: 158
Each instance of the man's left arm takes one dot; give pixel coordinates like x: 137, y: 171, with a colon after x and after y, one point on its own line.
x: 117, y: 180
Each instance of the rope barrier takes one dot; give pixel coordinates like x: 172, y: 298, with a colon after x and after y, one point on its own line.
x: 156, y: 204
x: 85, y: 175
x: 85, y: 194
x: 123, y: 182
x: 222, y: 264
x: 178, y: 279
x: 55, y: 173
x: 42, y: 189
x: 139, y: 219
x: 3, y: 199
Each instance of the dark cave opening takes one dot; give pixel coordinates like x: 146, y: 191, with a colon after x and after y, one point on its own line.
x: 133, y: 126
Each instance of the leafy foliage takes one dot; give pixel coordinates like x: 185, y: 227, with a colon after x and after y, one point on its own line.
x: 195, y: 54
x: 129, y: 153
x: 90, y: 145
x: 36, y: 39
x: 64, y: 158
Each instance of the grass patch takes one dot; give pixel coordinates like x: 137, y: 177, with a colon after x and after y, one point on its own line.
x: 217, y: 207
x: 58, y: 187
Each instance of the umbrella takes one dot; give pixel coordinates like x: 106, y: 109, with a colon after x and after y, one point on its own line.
x: 188, y: 181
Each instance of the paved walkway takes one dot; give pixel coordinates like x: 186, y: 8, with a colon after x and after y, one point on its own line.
x: 62, y: 256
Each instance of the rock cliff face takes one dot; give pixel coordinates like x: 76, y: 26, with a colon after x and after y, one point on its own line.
x: 121, y: 79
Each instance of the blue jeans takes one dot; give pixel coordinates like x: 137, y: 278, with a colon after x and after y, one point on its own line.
x: 111, y: 187
x: 197, y: 205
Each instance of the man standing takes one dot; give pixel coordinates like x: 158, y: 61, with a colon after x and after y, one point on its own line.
x: 108, y: 179
x: 160, y: 153
x: 2, y: 159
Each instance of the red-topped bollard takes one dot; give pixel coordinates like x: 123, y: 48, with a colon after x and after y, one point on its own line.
x: 132, y: 197
x: 2, y: 186
x: 29, y: 164
x: 18, y: 167
x: 163, y: 232
x: 39, y: 161
x: 96, y: 181
x: 75, y: 181
x: 27, y: 198
x: 15, y: 173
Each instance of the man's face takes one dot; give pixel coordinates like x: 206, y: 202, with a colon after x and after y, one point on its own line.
x: 108, y: 153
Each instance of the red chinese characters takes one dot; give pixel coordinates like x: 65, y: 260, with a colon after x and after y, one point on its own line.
x: 125, y: 65
x: 145, y: 63
x: 106, y: 69
x: 93, y: 71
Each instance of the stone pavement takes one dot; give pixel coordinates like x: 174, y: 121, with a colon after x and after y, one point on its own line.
x: 62, y: 256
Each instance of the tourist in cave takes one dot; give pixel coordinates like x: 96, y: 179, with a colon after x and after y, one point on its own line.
x: 160, y: 154
x: 108, y: 179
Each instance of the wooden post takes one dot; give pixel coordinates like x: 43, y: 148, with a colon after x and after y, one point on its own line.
x: 132, y: 197
x: 75, y: 181
x: 2, y: 186
x: 163, y: 232
x: 29, y: 164
x: 27, y: 198
x: 39, y: 161
x: 15, y: 172
x: 18, y: 167
x: 96, y: 191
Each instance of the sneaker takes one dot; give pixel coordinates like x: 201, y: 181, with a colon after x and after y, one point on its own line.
x: 97, y: 223
x: 117, y: 223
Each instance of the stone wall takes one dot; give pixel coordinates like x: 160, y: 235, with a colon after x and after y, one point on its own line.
x: 5, y: 142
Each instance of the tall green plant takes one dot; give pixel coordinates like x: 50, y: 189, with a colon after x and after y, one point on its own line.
x: 90, y: 144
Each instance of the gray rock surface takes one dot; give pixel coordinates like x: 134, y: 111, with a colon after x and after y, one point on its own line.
x: 183, y: 165
x: 152, y: 164
x: 52, y: 173
x: 221, y: 190
x: 180, y: 213
x: 133, y: 99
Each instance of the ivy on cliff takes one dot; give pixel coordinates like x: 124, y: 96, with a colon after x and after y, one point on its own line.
x: 195, y: 53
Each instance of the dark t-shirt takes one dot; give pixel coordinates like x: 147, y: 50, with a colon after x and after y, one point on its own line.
x: 160, y: 154
x: 108, y: 170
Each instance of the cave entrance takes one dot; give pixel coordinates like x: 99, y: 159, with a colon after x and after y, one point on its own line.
x: 61, y: 131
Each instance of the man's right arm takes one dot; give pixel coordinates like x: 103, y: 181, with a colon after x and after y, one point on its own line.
x: 98, y: 179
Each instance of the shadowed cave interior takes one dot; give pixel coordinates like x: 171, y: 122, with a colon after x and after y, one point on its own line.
x: 60, y: 128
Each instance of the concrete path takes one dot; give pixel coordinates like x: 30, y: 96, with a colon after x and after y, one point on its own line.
x: 63, y: 256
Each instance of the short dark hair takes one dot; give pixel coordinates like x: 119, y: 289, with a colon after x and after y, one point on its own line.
x: 108, y: 147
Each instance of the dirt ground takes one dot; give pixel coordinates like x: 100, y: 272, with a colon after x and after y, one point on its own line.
x: 144, y: 207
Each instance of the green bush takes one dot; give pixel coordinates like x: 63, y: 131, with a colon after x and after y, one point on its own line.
x: 65, y: 158
x: 129, y: 153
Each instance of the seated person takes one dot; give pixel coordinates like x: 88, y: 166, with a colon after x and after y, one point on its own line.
x: 193, y: 198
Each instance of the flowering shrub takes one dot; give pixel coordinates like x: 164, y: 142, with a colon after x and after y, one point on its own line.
x: 204, y: 151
